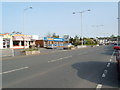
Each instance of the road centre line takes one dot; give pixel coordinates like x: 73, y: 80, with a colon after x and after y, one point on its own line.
x: 59, y: 59
x: 14, y: 70
x: 82, y: 53
x: 67, y: 56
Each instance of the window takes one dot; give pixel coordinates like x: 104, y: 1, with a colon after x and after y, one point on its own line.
x: 16, y: 43
x: 22, y: 43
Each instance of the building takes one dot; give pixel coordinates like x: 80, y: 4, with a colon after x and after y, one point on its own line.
x: 5, y: 41
x: 49, y: 42
x: 17, y: 41
x: 21, y: 41
x: 107, y: 40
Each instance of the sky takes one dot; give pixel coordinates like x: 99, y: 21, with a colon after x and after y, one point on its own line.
x: 57, y: 17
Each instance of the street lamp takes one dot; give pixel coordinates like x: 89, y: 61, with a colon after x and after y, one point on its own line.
x: 24, y: 21
x: 118, y: 31
x: 81, y: 21
x: 24, y: 15
x: 97, y: 26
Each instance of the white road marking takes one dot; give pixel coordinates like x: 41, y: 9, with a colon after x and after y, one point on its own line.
x: 14, y: 70
x: 81, y: 53
x: 59, y: 59
x: 113, y: 54
x: 99, y: 86
x: 108, y: 65
x: 68, y: 57
x: 105, y: 71
x: 103, y: 75
x: 110, y: 60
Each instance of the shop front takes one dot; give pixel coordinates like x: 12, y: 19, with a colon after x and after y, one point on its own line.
x: 53, y: 42
x: 21, y: 41
x: 5, y: 41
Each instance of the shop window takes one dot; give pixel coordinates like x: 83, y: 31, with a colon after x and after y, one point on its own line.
x: 22, y: 43
x: 16, y: 43
x: 26, y: 43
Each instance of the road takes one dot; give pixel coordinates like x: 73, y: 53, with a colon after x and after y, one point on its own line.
x: 93, y: 67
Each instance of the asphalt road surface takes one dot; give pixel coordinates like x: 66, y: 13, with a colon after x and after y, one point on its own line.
x: 93, y: 67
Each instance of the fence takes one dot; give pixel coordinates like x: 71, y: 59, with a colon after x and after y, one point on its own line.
x: 10, y: 52
x: 6, y: 52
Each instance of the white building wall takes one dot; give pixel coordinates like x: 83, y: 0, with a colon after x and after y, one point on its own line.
x: 1, y: 42
x: 36, y: 37
x: 11, y: 43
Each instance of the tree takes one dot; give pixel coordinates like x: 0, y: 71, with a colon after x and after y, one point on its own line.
x: 76, y: 41
x: 71, y: 40
x: 112, y: 36
x: 55, y: 36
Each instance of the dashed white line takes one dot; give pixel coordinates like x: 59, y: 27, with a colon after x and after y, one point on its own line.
x: 108, y: 65
x: 105, y: 71
x: 68, y: 57
x: 99, y: 86
x: 81, y: 53
x: 110, y: 60
x: 59, y: 59
x: 14, y: 70
x: 103, y: 75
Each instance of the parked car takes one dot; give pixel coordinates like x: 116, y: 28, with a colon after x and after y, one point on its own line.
x: 117, y: 48
x: 67, y: 46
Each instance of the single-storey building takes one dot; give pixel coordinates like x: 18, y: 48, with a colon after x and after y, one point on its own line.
x: 49, y: 42
x: 16, y: 41
x: 5, y: 41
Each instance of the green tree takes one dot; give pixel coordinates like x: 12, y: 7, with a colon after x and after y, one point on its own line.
x: 71, y: 40
x: 76, y: 41
x: 55, y: 36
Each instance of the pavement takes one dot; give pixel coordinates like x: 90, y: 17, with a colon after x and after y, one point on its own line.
x: 93, y: 67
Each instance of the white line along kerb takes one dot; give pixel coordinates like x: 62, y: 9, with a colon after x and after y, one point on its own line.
x: 14, y: 70
x: 113, y: 54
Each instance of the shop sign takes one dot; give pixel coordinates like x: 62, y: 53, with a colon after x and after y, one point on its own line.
x: 49, y: 39
x: 21, y: 38
x: 59, y: 39
x: 7, y: 36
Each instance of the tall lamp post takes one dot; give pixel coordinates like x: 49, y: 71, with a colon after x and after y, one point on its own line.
x: 118, y: 31
x: 24, y: 15
x: 97, y: 26
x: 81, y: 22
x: 24, y: 21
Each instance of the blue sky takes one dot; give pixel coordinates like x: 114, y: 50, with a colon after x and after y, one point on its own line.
x: 57, y: 17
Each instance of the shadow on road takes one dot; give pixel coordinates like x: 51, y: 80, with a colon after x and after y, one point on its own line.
x: 92, y: 71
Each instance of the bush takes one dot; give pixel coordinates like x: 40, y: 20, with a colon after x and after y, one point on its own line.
x: 71, y: 47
